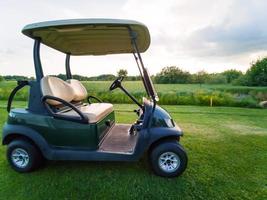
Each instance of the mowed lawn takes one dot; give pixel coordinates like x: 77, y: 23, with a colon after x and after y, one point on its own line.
x: 227, y: 151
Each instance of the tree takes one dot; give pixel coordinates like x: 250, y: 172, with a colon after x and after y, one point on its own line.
x: 106, y: 77
x: 172, y: 74
x: 1, y: 78
x: 63, y: 76
x: 242, y: 80
x: 122, y: 72
x: 201, y: 77
x: 216, y: 78
x: 257, y: 73
x: 232, y: 75
x: 15, y: 77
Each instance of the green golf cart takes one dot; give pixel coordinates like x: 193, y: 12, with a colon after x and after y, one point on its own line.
x: 62, y: 122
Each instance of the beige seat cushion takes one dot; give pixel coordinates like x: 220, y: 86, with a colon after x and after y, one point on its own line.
x: 56, y: 87
x: 80, y: 92
x: 95, y: 111
x: 73, y: 91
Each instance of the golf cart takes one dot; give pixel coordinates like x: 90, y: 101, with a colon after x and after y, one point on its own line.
x: 62, y: 122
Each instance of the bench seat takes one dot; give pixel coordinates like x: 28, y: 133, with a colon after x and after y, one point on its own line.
x: 95, y: 111
x: 73, y: 91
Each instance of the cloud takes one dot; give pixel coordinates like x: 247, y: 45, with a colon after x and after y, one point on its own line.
x: 210, y: 35
x: 241, y: 31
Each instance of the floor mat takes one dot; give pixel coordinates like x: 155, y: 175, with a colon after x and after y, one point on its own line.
x: 119, y: 140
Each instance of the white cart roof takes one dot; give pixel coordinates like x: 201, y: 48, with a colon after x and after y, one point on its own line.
x: 90, y: 36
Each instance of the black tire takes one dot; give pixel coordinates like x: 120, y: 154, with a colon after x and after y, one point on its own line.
x: 168, y: 149
x: 25, y: 148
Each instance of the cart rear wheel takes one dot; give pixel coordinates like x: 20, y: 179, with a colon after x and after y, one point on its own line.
x: 23, y: 156
x: 168, y: 159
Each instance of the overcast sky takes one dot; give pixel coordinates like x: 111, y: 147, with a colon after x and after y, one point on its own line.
x: 210, y: 35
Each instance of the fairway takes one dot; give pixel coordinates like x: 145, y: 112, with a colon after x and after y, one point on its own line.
x: 227, y: 160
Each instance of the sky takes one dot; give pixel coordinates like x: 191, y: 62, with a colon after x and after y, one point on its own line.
x: 210, y: 35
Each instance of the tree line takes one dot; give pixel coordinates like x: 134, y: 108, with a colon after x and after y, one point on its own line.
x: 173, y: 74
x: 102, y: 77
x: 256, y: 75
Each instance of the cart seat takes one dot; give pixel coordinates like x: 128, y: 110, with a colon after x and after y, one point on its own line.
x: 73, y: 91
x: 95, y: 111
x: 56, y: 87
x: 80, y: 92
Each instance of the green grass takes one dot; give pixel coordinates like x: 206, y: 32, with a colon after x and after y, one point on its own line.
x: 170, y: 94
x: 132, y: 86
x: 227, y: 160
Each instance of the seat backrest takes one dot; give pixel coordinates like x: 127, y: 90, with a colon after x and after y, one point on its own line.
x: 80, y: 92
x: 56, y: 87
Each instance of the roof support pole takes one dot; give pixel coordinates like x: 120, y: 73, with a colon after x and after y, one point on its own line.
x: 67, y: 65
x: 144, y: 74
x: 138, y: 58
x: 138, y: 53
x: 36, y: 59
x: 141, y: 73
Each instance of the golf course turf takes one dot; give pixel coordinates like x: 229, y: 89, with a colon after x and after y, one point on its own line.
x: 227, y: 151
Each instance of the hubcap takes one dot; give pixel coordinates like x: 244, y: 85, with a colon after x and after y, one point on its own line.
x: 169, y: 162
x: 20, y: 157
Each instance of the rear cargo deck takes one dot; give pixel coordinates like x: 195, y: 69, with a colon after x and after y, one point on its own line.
x: 119, y: 140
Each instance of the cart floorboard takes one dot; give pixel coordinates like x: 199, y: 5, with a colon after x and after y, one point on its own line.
x: 119, y: 140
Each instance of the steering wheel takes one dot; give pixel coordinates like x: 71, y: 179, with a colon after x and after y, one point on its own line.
x: 116, y: 83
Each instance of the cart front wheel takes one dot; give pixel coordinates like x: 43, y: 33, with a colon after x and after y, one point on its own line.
x: 23, y: 156
x: 168, y: 159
